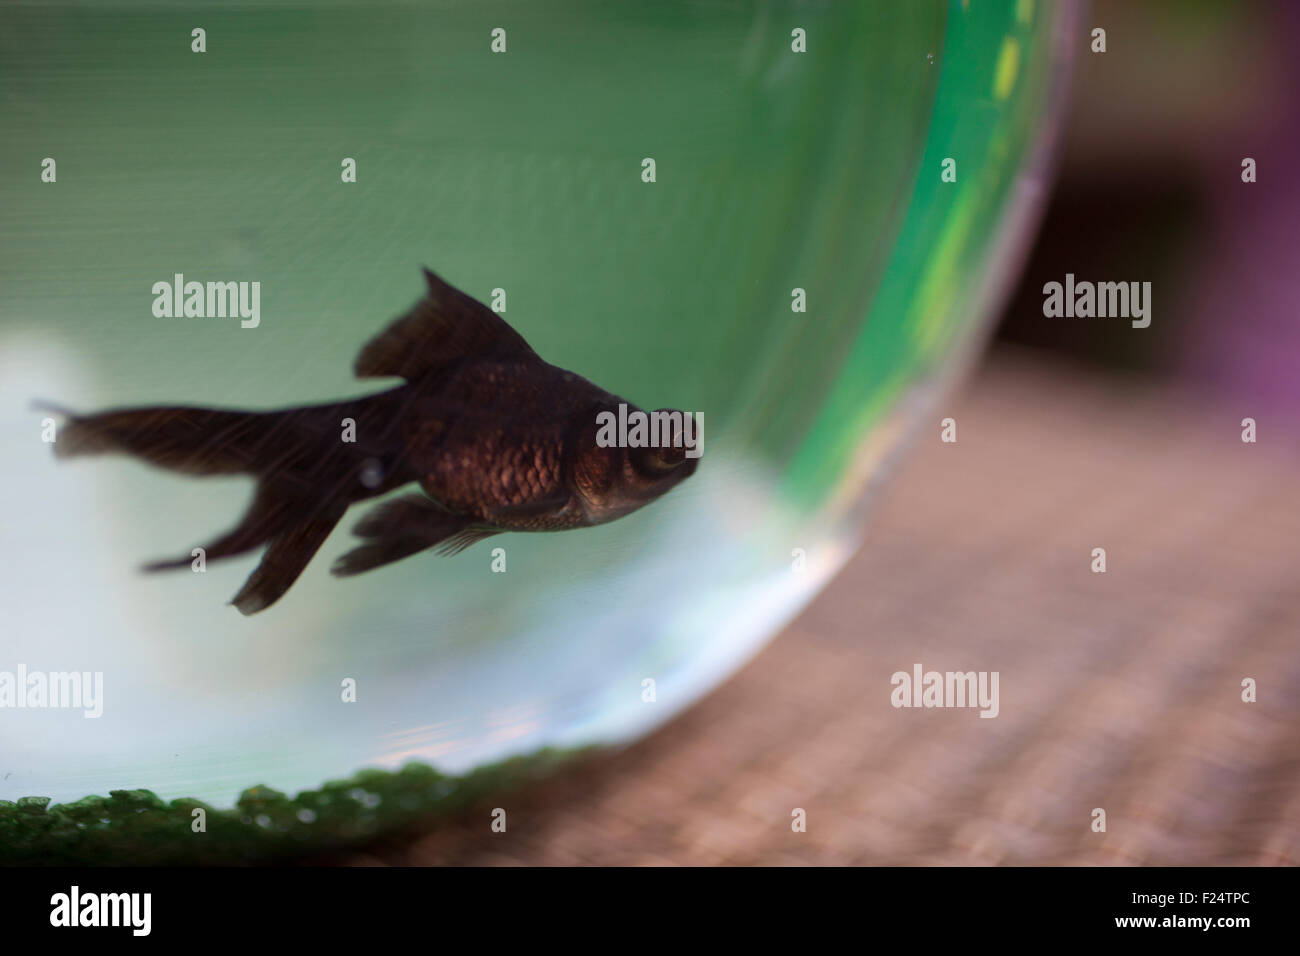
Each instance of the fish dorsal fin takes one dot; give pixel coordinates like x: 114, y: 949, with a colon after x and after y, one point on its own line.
x: 444, y: 326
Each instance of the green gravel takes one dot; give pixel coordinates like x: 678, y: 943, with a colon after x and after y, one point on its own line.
x: 137, y: 828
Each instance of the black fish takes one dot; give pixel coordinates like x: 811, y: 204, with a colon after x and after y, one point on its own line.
x: 498, y: 439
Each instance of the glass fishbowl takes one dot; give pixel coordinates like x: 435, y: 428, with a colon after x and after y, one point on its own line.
x: 794, y: 218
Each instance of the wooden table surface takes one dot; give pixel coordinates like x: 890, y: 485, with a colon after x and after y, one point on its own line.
x: 1119, y: 691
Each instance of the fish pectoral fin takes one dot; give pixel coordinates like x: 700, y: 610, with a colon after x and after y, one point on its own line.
x: 461, y: 540
x: 444, y: 326
x: 405, y: 526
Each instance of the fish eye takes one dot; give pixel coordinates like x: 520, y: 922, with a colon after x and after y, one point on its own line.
x: 655, y: 461
x: 674, y: 454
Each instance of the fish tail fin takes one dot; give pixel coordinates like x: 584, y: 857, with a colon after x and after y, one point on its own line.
x: 266, y: 516
x: 305, y: 476
x: 290, y: 551
x: 197, y: 441
x: 293, y: 529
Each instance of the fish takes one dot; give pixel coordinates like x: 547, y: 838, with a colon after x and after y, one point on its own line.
x: 495, y: 438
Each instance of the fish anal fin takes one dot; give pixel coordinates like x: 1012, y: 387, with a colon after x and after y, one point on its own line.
x: 443, y: 327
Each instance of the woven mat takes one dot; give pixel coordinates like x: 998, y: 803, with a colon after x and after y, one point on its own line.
x: 1119, y: 691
